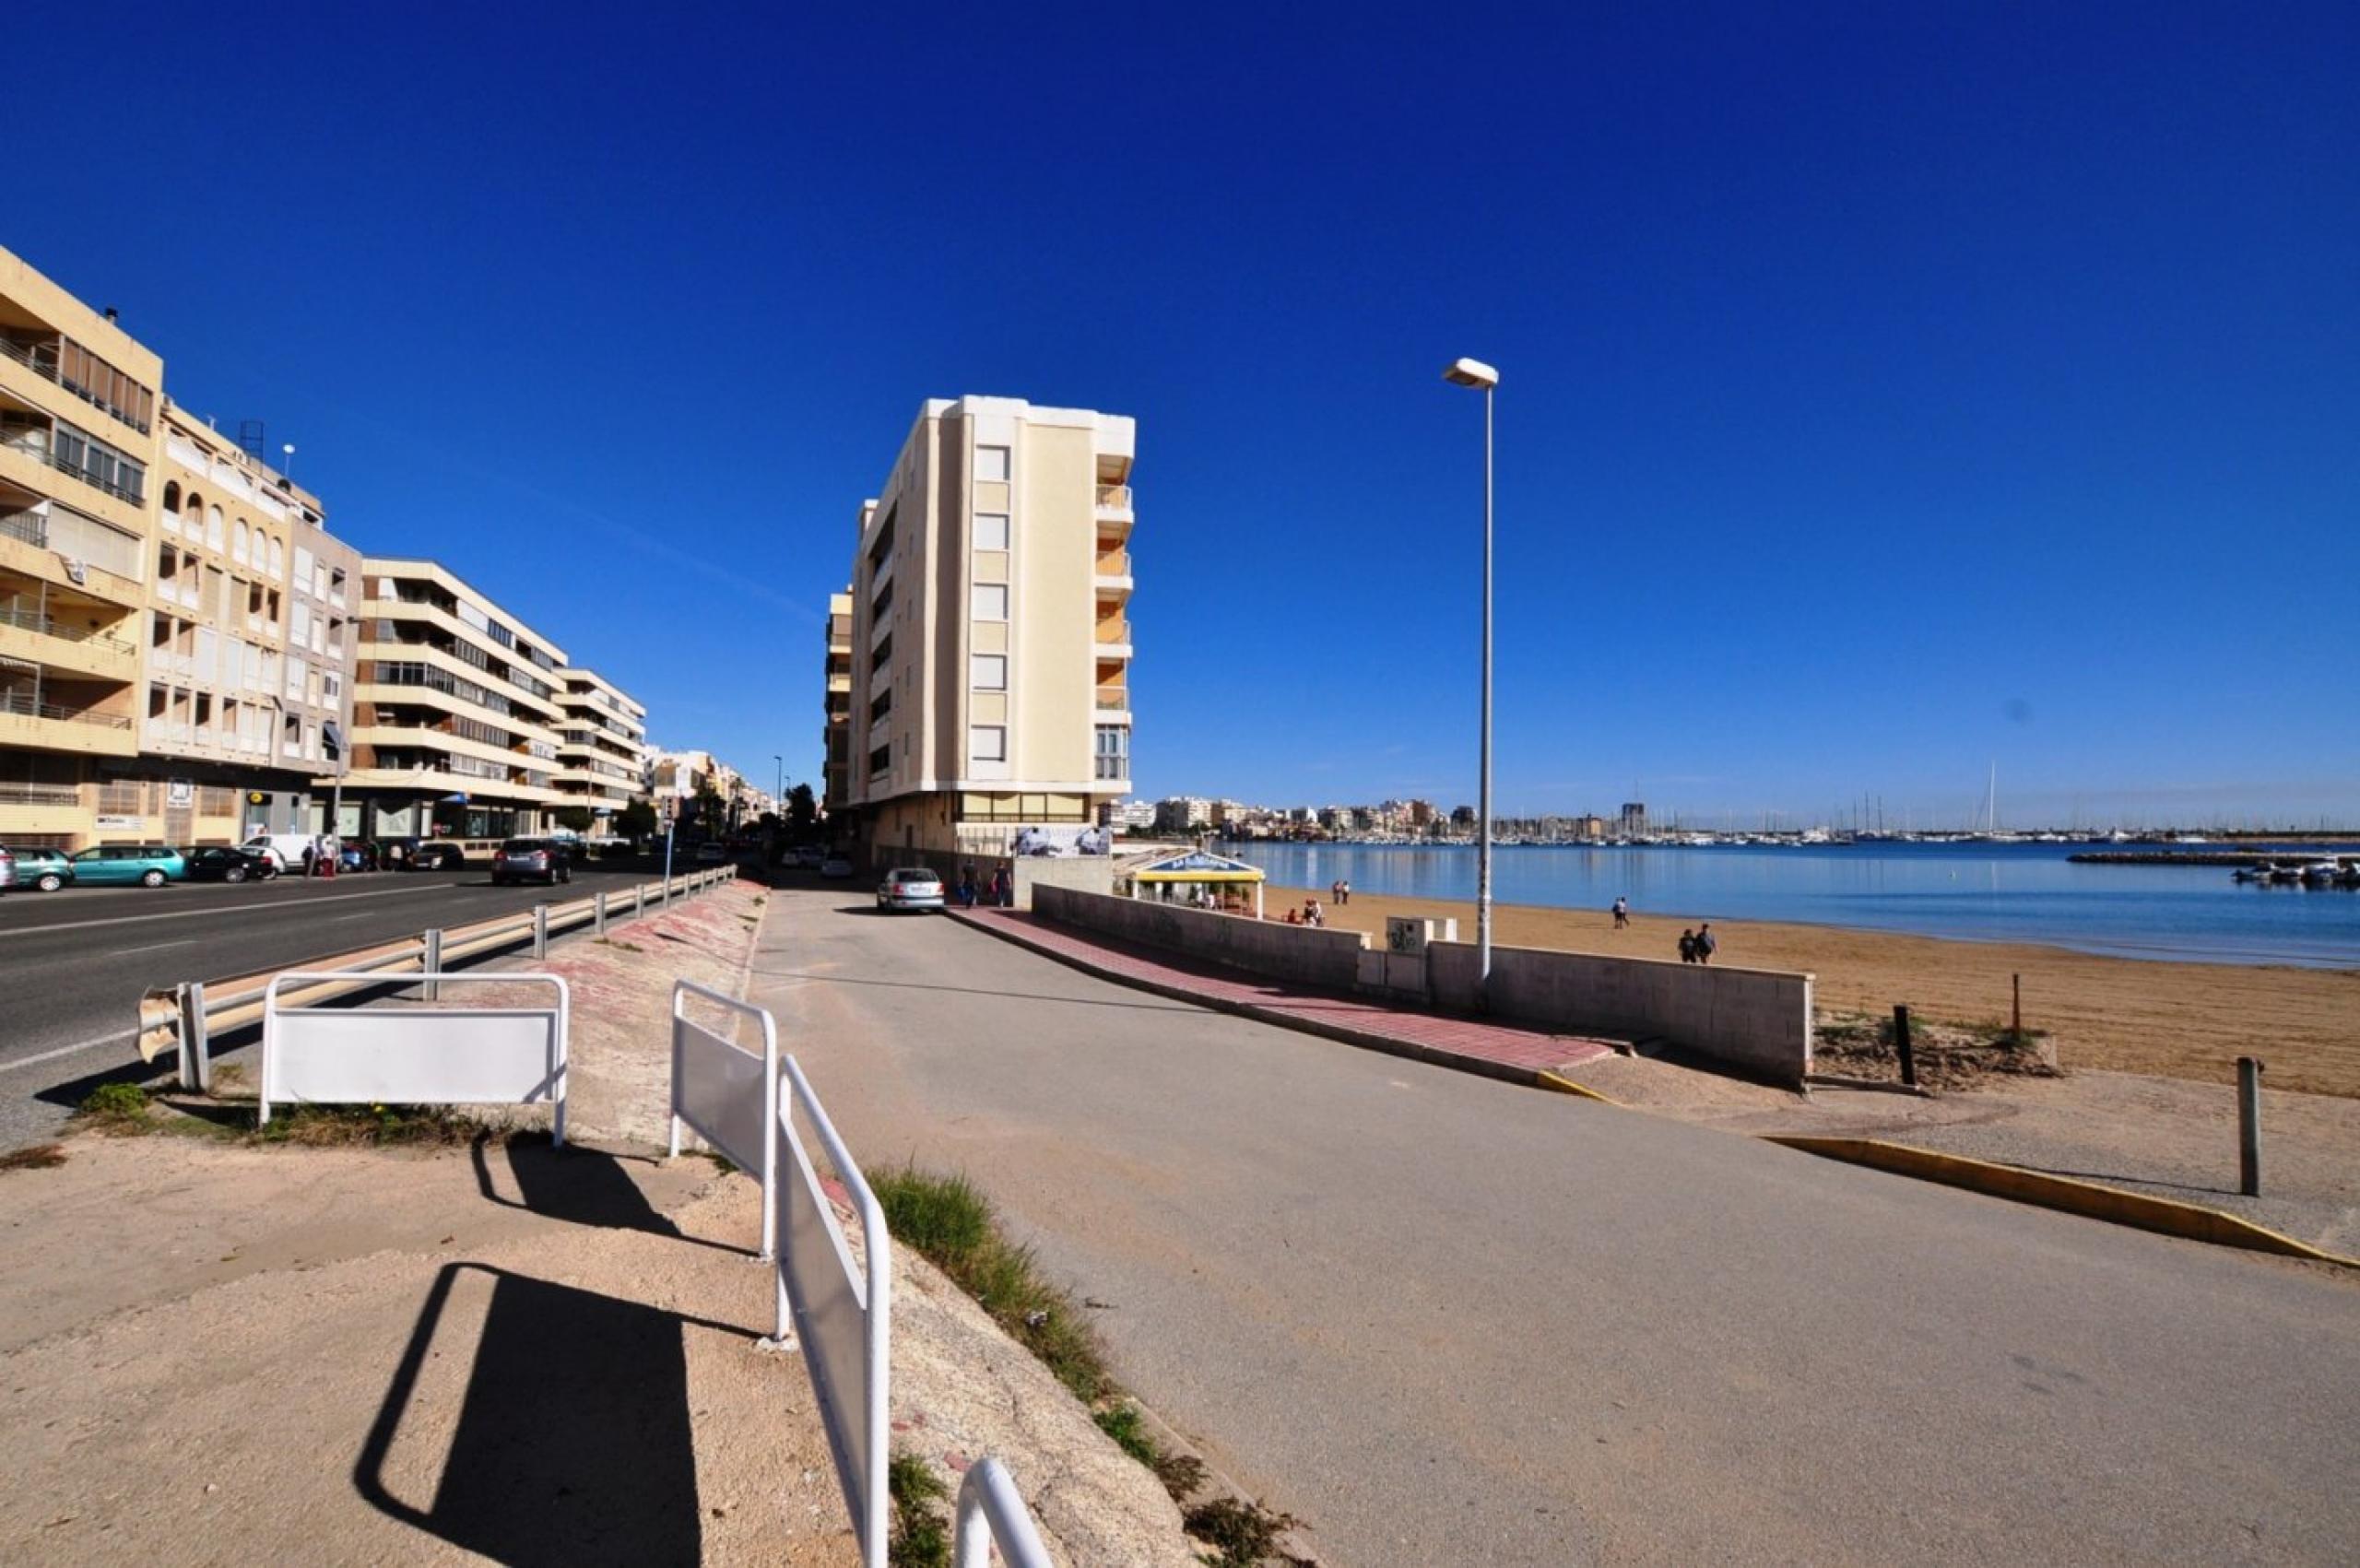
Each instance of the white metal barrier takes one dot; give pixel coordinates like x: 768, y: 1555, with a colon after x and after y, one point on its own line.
x: 434, y: 1055
x: 991, y: 1513
x: 728, y: 1094
x: 844, y: 1314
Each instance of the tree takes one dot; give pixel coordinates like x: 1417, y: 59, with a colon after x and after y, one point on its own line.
x: 574, y: 818
x: 708, y: 807
x: 802, y: 810
x: 636, y: 820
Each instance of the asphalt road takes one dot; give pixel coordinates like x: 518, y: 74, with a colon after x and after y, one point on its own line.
x: 1451, y: 1321
x: 73, y: 963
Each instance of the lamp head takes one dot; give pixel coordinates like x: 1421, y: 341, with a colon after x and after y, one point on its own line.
x: 1471, y: 372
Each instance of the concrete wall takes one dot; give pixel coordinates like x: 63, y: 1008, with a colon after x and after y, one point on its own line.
x: 1756, y: 1021
x: 1307, y: 955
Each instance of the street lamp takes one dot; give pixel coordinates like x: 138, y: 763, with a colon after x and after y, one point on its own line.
x: 1475, y: 373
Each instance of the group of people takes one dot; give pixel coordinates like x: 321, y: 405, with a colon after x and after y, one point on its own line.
x: 1310, y: 915
x: 1000, y: 891
x: 1341, y: 892
x: 1696, y: 945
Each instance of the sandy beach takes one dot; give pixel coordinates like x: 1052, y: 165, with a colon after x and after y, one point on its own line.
x: 2190, y: 1020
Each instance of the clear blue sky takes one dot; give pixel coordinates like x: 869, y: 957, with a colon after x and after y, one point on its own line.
x: 1889, y: 391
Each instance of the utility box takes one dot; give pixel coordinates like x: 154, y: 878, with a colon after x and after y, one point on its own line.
x: 1409, y: 937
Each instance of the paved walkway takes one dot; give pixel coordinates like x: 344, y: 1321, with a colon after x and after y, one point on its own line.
x: 1496, y: 1050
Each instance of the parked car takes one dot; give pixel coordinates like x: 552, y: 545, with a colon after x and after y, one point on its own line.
x: 44, y: 869
x: 835, y: 868
x: 536, y: 860
x: 8, y: 869
x: 909, y: 887
x: 420, y: 855
x: 286, y: 849
x: 220, y: 862
x: 811, y: 857
x: 121, y: 865
x: 711, y: 855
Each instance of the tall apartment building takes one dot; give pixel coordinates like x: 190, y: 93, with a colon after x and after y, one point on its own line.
x: 991, y: 642
x: 249, y: 648
x: 457, y: 711
x: 836, y: 776
x: 601, y: 747
x: 78, y: 401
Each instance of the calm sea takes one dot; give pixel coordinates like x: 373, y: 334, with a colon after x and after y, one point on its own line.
x: 2026, y: 892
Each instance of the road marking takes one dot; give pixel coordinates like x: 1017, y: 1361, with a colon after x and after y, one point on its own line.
x: 119, y: 1034
x: 155, y: 946
x: 219, y: 909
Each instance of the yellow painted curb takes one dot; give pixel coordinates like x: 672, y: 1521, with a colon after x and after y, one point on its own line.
x: 2192, y: 1220
x: 1564, y: 1085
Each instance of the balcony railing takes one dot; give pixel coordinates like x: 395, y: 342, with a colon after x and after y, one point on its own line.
x: 1115, y: 497
x: 1114, y: 631
x: 21, y: 704
x: 30, y: 526
x: 39, y: 795
x: 1113, y: 699
x: 1115, y: 563
x: 33, y: 620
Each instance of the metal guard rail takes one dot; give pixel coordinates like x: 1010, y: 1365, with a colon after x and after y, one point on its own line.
x: 186, y: 1018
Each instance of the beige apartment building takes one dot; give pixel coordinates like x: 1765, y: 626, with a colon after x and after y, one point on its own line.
x: 457, y: 711
x: 248, y: 656
x: 601, y: 747
x: 78, y: 406
x: 836, y: 772
x: 991, y: 642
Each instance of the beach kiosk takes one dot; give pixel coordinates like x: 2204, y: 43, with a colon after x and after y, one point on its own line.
x: 1192, y: 876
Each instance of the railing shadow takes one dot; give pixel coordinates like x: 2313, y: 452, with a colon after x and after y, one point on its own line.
x: 571, y: 1443
x: 581, y: 1187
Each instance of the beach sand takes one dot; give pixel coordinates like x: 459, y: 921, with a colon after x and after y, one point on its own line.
x: 2190, y: 1021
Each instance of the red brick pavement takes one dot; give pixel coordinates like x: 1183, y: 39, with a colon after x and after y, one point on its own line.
x: 1497, y: 1050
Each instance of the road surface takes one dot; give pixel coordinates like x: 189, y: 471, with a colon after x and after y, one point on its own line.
x: 73, y: 963
x: 1448, y: 1320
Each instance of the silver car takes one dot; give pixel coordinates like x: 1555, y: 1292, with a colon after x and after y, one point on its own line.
x: 909, y: 887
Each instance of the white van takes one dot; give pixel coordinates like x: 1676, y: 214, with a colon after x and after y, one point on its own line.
x: 288, y: 849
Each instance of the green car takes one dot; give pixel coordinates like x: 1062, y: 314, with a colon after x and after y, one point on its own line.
x: 149, y: 864
x: 45, y: 870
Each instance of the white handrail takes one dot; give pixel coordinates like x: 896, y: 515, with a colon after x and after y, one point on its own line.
x: 989, y: 1499
x: 768, y: 1093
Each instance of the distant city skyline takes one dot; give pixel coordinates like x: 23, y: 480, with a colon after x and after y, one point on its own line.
x: 1884, y: 394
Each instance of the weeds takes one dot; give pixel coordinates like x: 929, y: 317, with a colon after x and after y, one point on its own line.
x: 611, y: 942
x: 116, y: 1108
x: 920, y: 1536
x: 40, y: 1157
x: 347, y: 1126
x: 229, y: 1075
x: 951, y: 1224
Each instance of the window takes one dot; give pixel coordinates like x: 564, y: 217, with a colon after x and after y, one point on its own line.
x: 216, y: 530
x: 239, y: 548
x: 991, y: 530
x: 987, y: 743
x: 991, y: 463
x: 277, y: 558
x: 881, y: 759
x: 990, y: 601
x: 1113, y: 751
x: 303, y: 567
x: 94, y: 462
x: 988, y: 672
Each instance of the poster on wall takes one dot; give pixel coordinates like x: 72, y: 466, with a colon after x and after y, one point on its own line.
x: 179, y: 793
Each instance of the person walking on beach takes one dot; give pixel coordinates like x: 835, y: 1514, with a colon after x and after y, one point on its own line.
x: 1688, y: 947
x: 1621, y: 913
x: 1705, y: 943
x: 1343, y: 893
x: 1336, y: 892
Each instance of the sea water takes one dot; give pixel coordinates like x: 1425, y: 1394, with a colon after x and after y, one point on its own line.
x: 1995, y: 893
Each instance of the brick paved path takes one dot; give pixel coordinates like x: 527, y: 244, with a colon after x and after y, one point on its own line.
x: 1508, y: 1051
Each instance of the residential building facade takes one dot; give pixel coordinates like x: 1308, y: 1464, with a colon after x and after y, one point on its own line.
x: 991, y: 642
x: 836, y: 772
x: 602, y: 748
x: 248, y: 655
x: 78, y: 406
x: 457, y: 711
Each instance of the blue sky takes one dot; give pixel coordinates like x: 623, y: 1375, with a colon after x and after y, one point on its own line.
x: 1889, y: 392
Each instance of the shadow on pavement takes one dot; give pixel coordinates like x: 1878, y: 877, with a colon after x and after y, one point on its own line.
x: 571, y: 1443
x: 581, y: 1187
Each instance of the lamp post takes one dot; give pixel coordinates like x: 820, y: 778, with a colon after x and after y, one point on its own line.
x: 1475, y: 373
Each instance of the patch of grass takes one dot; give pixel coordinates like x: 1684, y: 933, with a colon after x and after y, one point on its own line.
x: 116, y: 1108
x: 1242, y: 1533
x: 229, y: 1075
x: 1122, y: 1423
x: 610, y: 942
x: 40, y: 1157
x: 721, y: 1162
x: 351, y: 1126
x: 921, y: 1535
x: 951, y: 1224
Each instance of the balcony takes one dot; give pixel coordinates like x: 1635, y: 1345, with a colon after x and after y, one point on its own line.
x: 1114, y: 498
x: 1113, y: 699
x: 1114, y: 638
x: 59, y: 716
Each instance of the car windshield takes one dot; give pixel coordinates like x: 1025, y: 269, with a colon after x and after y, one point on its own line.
x: 523, y: 846
x: 913, y: 877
